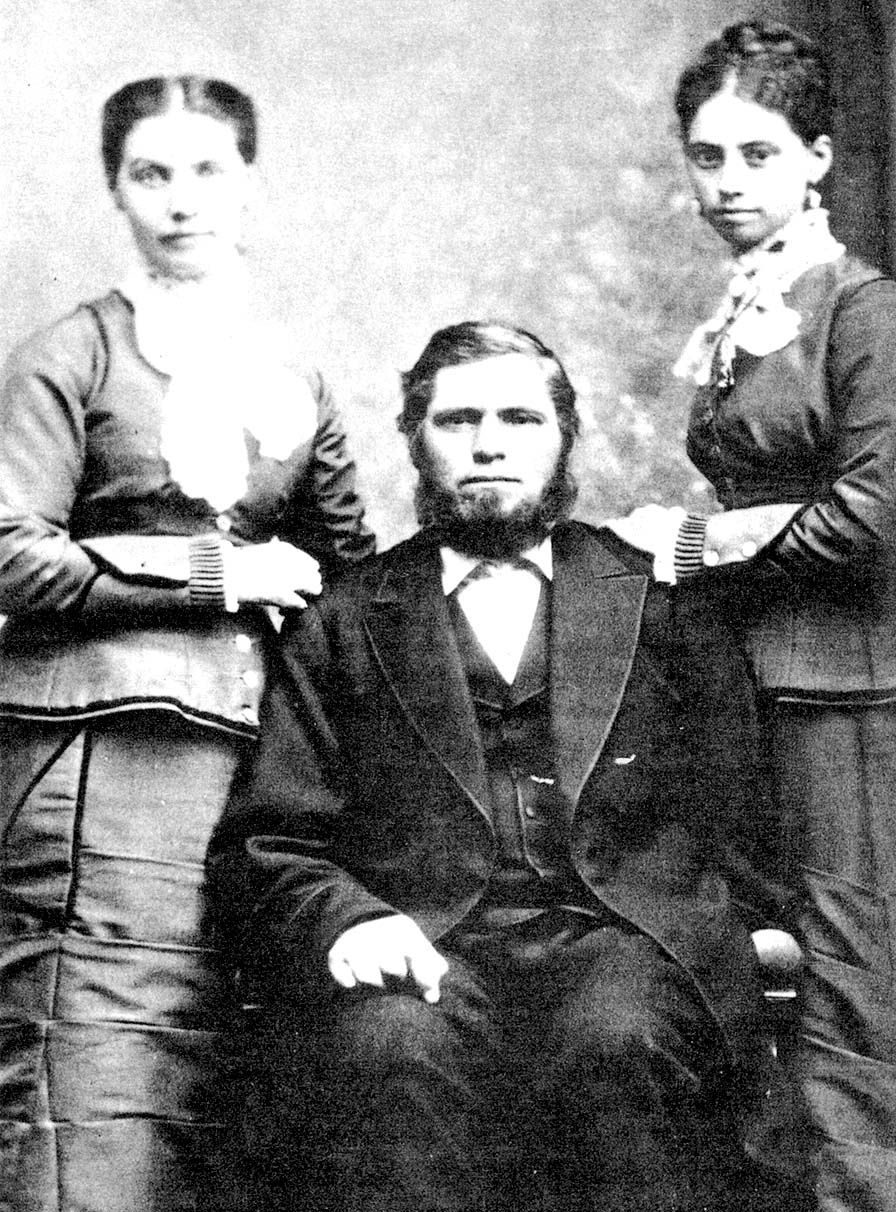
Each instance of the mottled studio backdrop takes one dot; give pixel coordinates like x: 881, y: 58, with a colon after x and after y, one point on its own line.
x: 422, y: 162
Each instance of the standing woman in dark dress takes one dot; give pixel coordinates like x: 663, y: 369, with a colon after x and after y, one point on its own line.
x: 164, y: 479
x: 794, y: 422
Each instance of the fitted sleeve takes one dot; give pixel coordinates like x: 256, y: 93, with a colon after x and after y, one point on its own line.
x: 273, y: 862
x: 42, y: 455
x: 328, y: 517
x: 853, y: 526
x: 46, y: 387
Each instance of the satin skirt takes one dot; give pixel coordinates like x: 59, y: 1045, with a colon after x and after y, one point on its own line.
x: 113, y: 996
x: 836, y: 771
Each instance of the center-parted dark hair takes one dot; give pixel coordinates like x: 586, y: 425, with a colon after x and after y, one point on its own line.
x: 769, y: 63
x: 475, y: 341
x: 157, y: 94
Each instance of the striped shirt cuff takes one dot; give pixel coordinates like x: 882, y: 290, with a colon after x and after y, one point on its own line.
x: 689, y: 546
x: 206, y: 583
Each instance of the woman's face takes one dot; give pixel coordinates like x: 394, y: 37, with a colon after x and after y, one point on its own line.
x: 183, y: 186
x: 749, y: 168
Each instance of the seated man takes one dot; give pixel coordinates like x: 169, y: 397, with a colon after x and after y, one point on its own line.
x: 489, y: 869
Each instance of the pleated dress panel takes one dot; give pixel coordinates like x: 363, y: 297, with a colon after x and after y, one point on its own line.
x: 837, y: 775
x: 114, y: 1001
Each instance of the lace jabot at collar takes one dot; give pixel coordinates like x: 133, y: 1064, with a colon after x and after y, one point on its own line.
x: 753, y: 315
x: 227, y: 376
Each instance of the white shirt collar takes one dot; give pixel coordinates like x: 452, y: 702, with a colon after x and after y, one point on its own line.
x: 456, y: 566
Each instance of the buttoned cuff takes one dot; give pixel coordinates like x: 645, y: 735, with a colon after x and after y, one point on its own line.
x: 689, y: 543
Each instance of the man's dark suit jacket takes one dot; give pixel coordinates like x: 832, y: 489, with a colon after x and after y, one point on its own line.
x: 368, y: 794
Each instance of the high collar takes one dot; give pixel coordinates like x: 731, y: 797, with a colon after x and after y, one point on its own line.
x: 456, y: 566
x: 753, y: 315
x: 801, y: 244
x: 227, y: 376
x: 178, y: 322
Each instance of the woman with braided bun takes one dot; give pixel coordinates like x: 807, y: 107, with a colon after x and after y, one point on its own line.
x: 165, y: 479
x: 794, y: 423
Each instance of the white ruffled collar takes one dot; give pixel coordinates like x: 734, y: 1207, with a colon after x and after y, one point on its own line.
x: 753, y: 315
x: 179, y: 321
x: 227, y: 377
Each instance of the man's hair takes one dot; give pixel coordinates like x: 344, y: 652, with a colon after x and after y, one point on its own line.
x: 771, y: 64
x: 475, y: 341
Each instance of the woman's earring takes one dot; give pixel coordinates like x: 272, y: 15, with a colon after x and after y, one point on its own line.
x: 696, y: 207
x: 813, y: 199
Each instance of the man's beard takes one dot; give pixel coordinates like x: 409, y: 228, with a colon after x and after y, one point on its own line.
x: 476, y: 525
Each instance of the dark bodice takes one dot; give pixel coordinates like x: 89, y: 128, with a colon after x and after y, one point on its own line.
x: 80, y: 457
x: 773, y: 434
x: 815, y: 423
x: 82, y: 418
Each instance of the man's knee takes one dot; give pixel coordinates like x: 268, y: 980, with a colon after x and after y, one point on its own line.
x: 667, y: 1047
x: 378, y: 1033
x: 612, y: 1040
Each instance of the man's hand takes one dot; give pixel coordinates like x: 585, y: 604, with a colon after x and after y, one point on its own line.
x: 387, y: 946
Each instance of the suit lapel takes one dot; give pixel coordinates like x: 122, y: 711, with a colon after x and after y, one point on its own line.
x: 410, y: 630
x: 597, y: 604
x: 595, y: 623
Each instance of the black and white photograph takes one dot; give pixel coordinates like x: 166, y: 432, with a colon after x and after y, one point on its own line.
x: 448, y: 606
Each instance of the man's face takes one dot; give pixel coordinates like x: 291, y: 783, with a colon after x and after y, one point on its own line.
x: 490, y: 438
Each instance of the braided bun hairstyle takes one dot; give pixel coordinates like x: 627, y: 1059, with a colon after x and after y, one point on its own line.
x: 768, y: 63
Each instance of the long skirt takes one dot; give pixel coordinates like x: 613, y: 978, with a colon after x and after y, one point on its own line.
x: 113, y: 997
x: 836, y: 769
